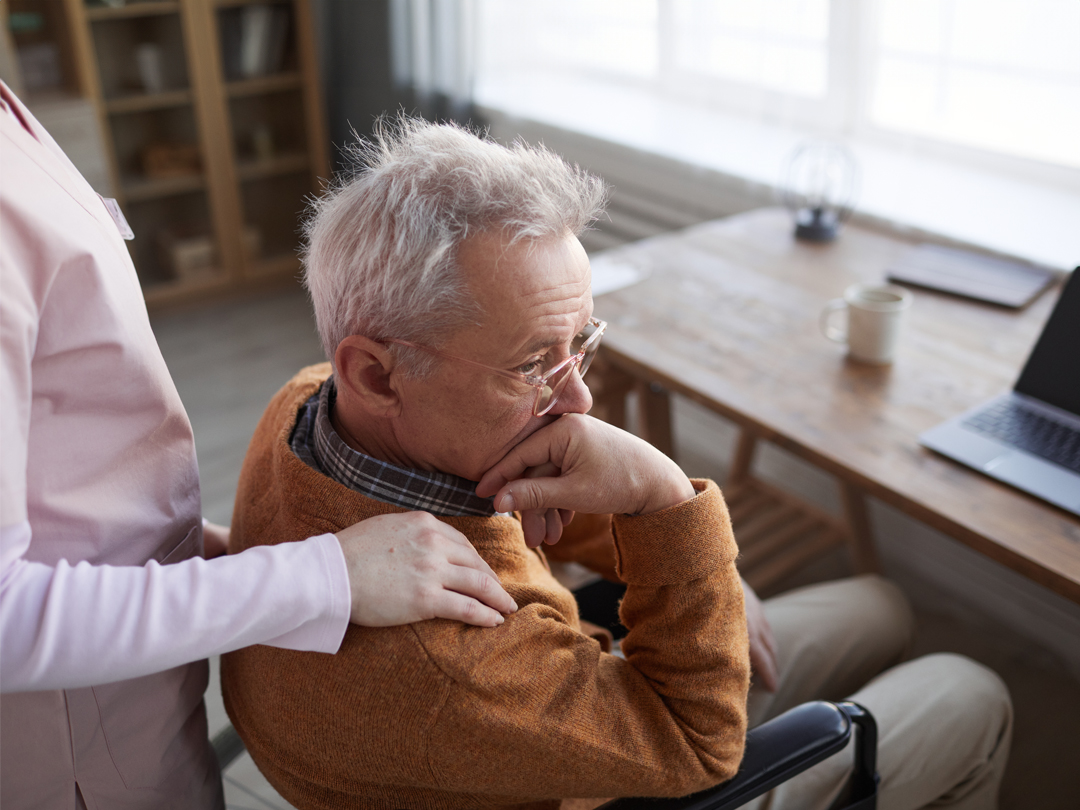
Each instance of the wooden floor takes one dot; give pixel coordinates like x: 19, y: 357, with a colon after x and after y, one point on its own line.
x: 229, y: 358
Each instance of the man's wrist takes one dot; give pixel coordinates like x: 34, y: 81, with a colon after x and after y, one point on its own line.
x: 672, y: 491
x: 679, y: 544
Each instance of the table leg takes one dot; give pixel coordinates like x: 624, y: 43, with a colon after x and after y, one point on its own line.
x: 609, y: 386
x: 654, y: 406
x: 860, y: 533
x: 743, y: 463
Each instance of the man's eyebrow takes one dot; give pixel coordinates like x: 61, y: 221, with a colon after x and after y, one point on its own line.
x: 543, y: 343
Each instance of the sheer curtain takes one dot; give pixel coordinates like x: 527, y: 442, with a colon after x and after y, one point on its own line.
x: 432, y: 53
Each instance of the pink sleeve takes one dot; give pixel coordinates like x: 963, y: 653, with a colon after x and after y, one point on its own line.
x: 71, y: 626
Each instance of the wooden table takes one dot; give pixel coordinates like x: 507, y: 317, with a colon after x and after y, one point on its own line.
x: 728, y: 317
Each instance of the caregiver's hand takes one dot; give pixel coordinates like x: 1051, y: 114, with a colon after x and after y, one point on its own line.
x: 409, y: 567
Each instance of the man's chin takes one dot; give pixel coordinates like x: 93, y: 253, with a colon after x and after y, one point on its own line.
x: 537, y: 423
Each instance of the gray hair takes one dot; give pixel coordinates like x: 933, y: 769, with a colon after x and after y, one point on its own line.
x: 381, y: 246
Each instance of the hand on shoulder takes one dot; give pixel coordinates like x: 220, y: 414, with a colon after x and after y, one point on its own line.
x: 411, y: 566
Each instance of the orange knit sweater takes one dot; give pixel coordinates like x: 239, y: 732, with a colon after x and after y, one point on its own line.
x: 443, y: 715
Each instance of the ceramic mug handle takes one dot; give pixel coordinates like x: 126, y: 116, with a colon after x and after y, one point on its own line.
x: 830, y: 330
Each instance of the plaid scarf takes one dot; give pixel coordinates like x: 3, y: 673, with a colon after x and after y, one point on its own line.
x: 318, y: 445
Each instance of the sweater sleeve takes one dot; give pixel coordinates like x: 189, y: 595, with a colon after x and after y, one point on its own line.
x: 67, y: 626
x: 587, y: 541
x: 549, y: 715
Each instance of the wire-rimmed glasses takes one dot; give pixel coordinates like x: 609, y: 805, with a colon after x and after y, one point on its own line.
x: 552, y: 382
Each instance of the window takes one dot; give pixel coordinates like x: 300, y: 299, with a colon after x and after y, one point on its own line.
x: 611, y: 38
x: 778, y: 45
x: 995, y: 80
x: 999, y: 75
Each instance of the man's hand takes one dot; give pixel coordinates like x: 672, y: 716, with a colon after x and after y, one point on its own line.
x: 545, y: 524
x: 591, y: 467
x: 762, y: 643
x: 409, y: 567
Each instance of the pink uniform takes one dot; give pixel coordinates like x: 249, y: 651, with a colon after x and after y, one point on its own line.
x: 104, y: 597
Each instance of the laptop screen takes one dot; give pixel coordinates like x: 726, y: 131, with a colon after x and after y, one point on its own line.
x: 1052, y: 373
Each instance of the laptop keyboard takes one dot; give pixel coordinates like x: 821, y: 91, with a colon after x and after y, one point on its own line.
x: 1029, y: 430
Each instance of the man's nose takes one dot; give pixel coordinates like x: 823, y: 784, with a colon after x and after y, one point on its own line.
x: 575, y: 398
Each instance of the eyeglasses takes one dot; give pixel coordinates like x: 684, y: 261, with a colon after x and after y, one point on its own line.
x: 552, y: 382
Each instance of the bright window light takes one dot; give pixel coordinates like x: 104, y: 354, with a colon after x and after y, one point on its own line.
x: 989, y: 76
x: 617, y: 38
x: 777, y: 44
x: 999, y: 75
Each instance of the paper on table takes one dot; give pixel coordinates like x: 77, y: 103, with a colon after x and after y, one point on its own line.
x: 611, y: 273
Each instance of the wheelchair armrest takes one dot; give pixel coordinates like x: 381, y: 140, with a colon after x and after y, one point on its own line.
x: 775, y: 751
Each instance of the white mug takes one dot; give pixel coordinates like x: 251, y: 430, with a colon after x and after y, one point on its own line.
x: 874, y: 313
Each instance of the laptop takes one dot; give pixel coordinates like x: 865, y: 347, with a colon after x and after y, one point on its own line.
x: 1030, y: 437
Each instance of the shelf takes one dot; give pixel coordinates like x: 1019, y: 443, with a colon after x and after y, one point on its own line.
x: 260, y: 142
x: 149, y: 101
x: 276, y: 83
x: 235, y: 3
x: 140, y: 190
x: 778, y: 533
x: 272, y: 167
x: 276, y: 265
x: 149, y: 8
x: 178, y: 291
x: 35, y: 99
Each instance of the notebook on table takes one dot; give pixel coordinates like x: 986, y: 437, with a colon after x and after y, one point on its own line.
x: 972, y: 275
x: 1030, y: 436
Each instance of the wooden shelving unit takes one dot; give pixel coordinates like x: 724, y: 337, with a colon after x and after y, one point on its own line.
x: 149, y: 101
x: 212, y: 119
x: 145, y: 8
x: 265, y: 84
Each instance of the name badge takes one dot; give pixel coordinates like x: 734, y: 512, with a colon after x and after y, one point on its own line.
x: 117, y: 215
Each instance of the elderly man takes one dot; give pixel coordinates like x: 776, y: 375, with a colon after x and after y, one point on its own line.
x: 452, y: 293
x: 437, y: 376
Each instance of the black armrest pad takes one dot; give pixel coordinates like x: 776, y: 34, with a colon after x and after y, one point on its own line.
x: 775, y: 751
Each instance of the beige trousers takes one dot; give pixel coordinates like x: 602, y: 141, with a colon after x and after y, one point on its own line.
x: 944, y: 721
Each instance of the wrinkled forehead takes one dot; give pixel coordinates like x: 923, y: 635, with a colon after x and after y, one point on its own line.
x: 540, y: 286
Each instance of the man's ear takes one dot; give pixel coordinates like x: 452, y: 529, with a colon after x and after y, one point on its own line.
x: 367, y: 374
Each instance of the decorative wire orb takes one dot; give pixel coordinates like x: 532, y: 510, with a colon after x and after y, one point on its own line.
x: 819, y: 188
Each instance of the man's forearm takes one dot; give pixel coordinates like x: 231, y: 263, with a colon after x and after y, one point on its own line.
x: 669, y: 720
